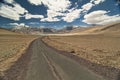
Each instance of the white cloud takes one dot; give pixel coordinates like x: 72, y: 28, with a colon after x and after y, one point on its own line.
x: 72, y: 15
x: 13, y: 12
x: 56, y: 5
x: 87, y: 6
x: 97, y: 1
x: 75, y: 13
x: 110, y: 19
x: 18, y: 9
x: 95, y: 14
x: 22, y: 24
x: 8, y: 12
x: 29, y: 16
x: 100, y: 17
x: 52, y: 16
x: 14, y: 24
x: 50, y: 19
x: 60, y: 7
x: 9, y: 1
x: 68, y: 17
x: 18, y: 25
x: 51, y: 13
x: 35, y: 2
x: 55, y: 8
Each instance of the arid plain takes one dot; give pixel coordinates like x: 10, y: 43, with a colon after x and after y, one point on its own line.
x: 12, y: 46
x: 96, y: 44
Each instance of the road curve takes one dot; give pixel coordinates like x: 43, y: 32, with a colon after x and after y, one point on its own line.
x: 47, y: 64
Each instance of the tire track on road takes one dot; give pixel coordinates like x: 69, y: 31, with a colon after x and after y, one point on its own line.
x: 52, y: 67
x: 47, y: 64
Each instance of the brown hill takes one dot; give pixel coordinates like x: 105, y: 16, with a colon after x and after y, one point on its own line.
x: 5, y: 31
x: 109, y: 29
x: 12, y: 47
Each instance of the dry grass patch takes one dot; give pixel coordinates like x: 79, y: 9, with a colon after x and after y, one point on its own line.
x: 12, y: 46
x: 99, y: 49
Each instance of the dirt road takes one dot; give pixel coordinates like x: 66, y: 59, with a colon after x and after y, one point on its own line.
x: 47, y: 64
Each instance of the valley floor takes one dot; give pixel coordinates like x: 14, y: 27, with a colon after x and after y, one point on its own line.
x: 100, y: 48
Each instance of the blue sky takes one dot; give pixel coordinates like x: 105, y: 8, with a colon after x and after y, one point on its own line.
x: 58, y: 13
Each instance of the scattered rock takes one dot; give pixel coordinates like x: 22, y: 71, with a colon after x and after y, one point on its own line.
x: 72, y: 51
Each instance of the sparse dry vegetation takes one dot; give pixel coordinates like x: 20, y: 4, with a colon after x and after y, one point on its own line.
x: 100, y: 48
x: 12, y: 46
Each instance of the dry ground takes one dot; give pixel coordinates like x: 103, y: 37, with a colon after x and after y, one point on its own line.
x: 12, y: 46
x: 98, y: 44
x: 99, y: 48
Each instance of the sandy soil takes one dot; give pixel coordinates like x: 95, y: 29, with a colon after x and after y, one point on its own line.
x: 96, y: 44
x: 12, y: 46
x: 100, y: 49
x: 31, y: 65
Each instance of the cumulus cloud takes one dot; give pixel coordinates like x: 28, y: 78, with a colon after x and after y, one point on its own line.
x: 22, y: 24
x: 75, y: 13
x: 55, y: 8
x: 52, y: 16
x: 9, y: 1
x: 52, y: 13
x: 100, y: 17
x: 18, y: 25
x: 13, y: 12
x: 50, y: 19
x: 35, y: 2
x: 56, y: 5
x: 87, y: 6
x: 29, y: 16
x: 110, y: 19
x: 61, y: 9
x: 97, y: 1
x: 14, y: 24
x: 68, y: 17
x: 17, y: 10
x: 72, y: 15
x: 58, y: 8
x: 4, y: 9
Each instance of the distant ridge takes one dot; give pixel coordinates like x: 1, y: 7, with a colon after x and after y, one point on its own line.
x: 6, y: 31
x: 31, y: 30
x: 111, y: 28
